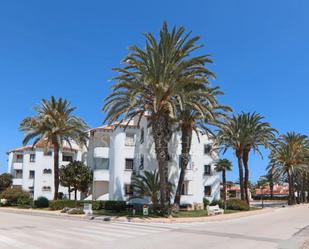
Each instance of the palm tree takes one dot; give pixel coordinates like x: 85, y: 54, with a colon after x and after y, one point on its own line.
x: 202, y: 109
x: 243, y: 133
x: 256, y: 133
x: 53, y: 124
x: 151, y: 82
x: 223, y: 165
x: 288, y: 157
x: 148, y: 185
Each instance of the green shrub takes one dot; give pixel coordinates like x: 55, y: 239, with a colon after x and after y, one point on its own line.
x: 16, y: 196
x: 41, y: 202
x: 205, y: 202
x: 217, y: 202
x: 60, y: 204
x: 236, y: 204
x: 96, y: 205
x: 115, y: 205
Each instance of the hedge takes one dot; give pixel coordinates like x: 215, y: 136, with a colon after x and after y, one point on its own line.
x: 236, y: 204
x: 96, y: 205
x: 16, y: 197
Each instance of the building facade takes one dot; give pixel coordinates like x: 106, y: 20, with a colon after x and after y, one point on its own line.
x: 32, y: 168
x: 115, y: 153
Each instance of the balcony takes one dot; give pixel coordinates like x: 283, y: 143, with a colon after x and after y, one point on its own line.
x: 101, y: 152
x: 101, y: 175
x: 17, y: 165
x: 17, y: 181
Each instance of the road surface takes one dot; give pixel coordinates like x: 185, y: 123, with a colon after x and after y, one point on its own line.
x: 268, y: 230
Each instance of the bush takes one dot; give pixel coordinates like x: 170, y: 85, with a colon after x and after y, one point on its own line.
x: 236, y: 204
x: 205, y: 202
x: 16, y: 196
x: 60, y: 204
x: 41, y: 202
x: 220, y: 203
x: 115, y: 205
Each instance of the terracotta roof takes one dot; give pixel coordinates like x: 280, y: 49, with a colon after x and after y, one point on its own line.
x: 41, y: 144
x: 278, y: 190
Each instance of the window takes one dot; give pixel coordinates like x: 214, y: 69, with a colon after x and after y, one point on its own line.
x: 207, y: 190
x: 189, y: 165
x: 128, y: 189
x: 130, y: 139
x: 48, y: 153
x: 142, y: 136
x: 141, y: 164
x: 101, y: 163
x: 66, y: 158
x: 18, y: 173
x: 129, y: 164
x: 32, y: 158
x: 207, y: 169
x: 185, y: 188
x: 19, y: 158
x: 47, y: 171
x: 31, y: 174
x: 207, y: 149
x: 46, y: 188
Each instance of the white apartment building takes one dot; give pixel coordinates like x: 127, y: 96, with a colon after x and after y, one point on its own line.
x: 115, y: 153
x: 32, y: 168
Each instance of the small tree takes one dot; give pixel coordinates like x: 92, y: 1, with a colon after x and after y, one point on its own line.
x: 5, y: 181
x: 223, y: 165
x: 76, y: 176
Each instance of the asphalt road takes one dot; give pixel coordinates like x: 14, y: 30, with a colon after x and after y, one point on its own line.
x: 278, y: 229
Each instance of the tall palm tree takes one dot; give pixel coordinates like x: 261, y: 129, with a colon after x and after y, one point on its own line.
x: 53, y: 124
x: 243, y: 133
x: 289, y: 156
x: 257, y: 133
x: 194, y: 116
x: 151, y: 81
x: 223, y: 165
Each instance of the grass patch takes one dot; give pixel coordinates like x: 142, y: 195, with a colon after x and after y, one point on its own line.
x: 186, y: 214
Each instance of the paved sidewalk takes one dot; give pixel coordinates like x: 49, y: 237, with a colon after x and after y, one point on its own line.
x: 50, y: 213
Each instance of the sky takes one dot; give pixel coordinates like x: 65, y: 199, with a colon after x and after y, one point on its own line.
x: 68, y: 48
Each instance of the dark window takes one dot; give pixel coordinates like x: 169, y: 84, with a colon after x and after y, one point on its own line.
x: 67, y: 158
x: 207, y: 149
x: 48, y: 153
x: 142, y: 136
x: 189, y: 165
x: 19, y: 158
x: 207, y: 190
x: 47, y: 171
x: 46, y: 188
x: 141, y: 164
x: 185, y: 188
x: 207, y: 169
x: 101, y: 163
x: 18, y: 173
x: 128, y: 189
x: 129, y: 164
x: 32, y: 158
x: 31, y: 174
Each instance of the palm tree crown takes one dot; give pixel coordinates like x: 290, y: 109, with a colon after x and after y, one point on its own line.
x: 53, y: 124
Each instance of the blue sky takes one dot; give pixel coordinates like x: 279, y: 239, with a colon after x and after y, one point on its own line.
x: 67, y: 48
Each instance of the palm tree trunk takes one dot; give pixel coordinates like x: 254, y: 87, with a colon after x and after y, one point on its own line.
x: 56, y: 169
x: 161, y: 135
x: 186, y: 138
x: 75, y: 194
x: 69, y: 189
x: 291, y: 190
x: 241, y: 175
x: 246, y: 180
x: 224, y: 187
x: 303, y: 188
x: 271, y: 186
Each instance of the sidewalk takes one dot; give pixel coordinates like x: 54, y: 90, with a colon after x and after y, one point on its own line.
x: 49, y: 213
